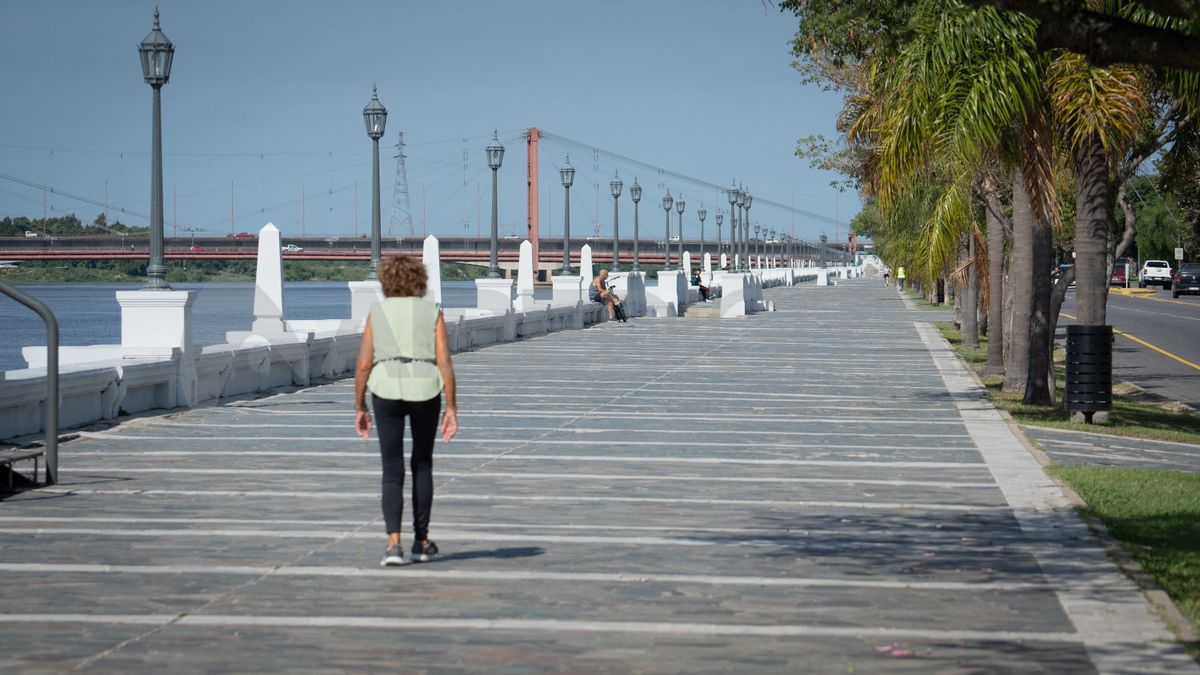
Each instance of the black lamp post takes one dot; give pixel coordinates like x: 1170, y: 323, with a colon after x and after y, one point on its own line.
x: 757, y: 244
x: 635, y: 193
x: 679, y: 206
x: 701, y: 214
x: 495, y: 157
x: 720, y: 218
x: 745, y: 222
x: 615, y: 186
x: 156, y: 52
x: 739, y: 248
x: 667, y: 201
x: 733, y: 227
x: 771, y: 243
x: 375, y: 117
x: 567, y: 173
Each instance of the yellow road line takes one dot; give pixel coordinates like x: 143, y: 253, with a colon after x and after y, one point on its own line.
x: 1145, y: 344
x: 1174, y: 302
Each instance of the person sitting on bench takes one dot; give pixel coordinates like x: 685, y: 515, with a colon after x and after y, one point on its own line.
x: 698, y: 281
x: 598, y: 292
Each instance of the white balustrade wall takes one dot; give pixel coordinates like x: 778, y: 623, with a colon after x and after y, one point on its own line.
x: 103, y: 381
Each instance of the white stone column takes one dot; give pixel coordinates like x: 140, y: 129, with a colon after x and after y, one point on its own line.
x: 673, y: 287
x: 724, y: 262
x: 706, y: 264
x: 585, y: 264
x: 733, y: 294
x: 525, y: 278
x: 634, y: 297
x: 268, y: 283
x: 431, y: 257
x: 687, y: 266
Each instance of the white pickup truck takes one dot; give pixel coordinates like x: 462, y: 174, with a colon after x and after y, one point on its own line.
x: 1155, y: 272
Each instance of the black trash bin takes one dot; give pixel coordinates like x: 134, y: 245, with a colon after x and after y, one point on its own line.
x: 1089, y: 370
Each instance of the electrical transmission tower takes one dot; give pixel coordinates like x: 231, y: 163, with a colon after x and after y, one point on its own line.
x: 401, y: 201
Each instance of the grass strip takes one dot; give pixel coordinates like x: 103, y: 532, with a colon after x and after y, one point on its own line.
x: 1135, y: 414
x: 1156, y: 516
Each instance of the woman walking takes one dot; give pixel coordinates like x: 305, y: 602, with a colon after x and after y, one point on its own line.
x: 405, y: 362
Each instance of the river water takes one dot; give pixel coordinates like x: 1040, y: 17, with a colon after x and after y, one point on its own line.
x: 88, y: 314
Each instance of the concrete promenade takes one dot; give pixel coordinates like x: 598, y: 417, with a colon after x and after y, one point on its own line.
x: 818, y: 489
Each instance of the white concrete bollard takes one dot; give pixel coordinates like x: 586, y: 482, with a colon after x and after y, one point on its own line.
x: 525, y: 278
x: 585, y: 264
x: 431, y: 257
x: 268, y: 283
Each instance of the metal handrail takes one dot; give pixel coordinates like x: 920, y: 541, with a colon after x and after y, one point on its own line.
x: 51, y: 375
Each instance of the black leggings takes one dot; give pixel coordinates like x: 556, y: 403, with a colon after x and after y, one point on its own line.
x: 389, y: 420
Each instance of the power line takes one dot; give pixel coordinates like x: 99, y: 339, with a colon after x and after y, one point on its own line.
x: 71, y: 195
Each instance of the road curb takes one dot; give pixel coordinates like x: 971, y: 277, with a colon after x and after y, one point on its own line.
x: 1133, y: 291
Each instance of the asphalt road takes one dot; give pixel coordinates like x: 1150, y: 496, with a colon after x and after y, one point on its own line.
x: 1158, y: 347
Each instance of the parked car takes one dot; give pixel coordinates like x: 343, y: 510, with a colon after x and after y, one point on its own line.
x: 292, y: 248
x: 241, y: 235
x: 1120, y: 275
x: 1187, y: 279
x: 1157, y: 273
x: 197, y: 249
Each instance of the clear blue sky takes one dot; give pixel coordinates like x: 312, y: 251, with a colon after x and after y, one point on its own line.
x: 269, y: 94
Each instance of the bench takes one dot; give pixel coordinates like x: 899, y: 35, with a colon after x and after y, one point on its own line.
x: 8, y: 456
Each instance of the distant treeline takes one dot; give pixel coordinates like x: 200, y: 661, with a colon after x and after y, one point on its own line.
x: 64, y: 226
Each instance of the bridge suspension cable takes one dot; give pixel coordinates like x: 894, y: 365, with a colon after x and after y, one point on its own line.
x: 618, y: 159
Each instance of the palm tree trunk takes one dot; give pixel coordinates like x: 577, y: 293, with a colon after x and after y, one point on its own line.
x: 1037, y: 387
x: 1130, y: 234
x: 1092, y: 205
x: 995, y: 321
x: 969, y: 294
x: 1021, y: 273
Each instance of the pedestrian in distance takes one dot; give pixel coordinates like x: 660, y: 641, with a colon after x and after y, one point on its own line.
x: 887, y: 276
x: 405, y: 362
x: 900, y: 277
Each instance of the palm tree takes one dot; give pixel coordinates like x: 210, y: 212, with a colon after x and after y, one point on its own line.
x: 1100, y: 111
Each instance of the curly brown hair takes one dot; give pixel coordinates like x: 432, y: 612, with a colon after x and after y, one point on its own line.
x: 402, y: 276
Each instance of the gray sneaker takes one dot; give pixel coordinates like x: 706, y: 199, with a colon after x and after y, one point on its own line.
x: 393, y: 557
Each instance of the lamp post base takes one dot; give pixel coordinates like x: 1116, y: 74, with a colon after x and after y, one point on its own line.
x: 567, y: 289
x: 494, y: 295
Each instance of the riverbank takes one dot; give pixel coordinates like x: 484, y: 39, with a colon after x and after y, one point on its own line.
x: 199, y: 271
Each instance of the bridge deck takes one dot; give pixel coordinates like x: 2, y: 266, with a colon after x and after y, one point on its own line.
x: 815, y: 489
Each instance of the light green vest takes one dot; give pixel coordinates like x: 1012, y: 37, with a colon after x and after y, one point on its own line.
x: 404, y: 327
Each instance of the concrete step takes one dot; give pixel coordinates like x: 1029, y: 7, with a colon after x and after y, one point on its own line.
x: 703, y: 310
